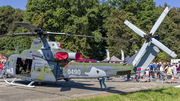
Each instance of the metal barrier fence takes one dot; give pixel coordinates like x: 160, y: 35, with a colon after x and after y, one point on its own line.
x: 160, y: 75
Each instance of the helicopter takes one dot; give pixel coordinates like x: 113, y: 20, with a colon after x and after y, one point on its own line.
x: 48, y: 61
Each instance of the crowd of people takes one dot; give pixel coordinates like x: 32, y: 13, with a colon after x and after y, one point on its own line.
x: 156, y: 70
x: 159, y: 70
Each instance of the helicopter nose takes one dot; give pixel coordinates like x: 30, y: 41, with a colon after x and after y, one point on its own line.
x: 9, y: 71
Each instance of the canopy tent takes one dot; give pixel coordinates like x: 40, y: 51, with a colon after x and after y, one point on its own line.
x: 113, y: 58
x: 127, y: 58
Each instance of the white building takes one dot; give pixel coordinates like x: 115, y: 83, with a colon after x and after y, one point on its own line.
x: 175, y: 61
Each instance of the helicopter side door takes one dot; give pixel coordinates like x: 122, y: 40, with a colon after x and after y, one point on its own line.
x: 43, y: 70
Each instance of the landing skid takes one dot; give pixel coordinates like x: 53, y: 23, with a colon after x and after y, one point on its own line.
x: 15, y: 84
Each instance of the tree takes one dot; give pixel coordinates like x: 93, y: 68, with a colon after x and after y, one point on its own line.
x: 141, y: 13
x: 84, y: 17
x: 117, y: 29
x: 7, y: 16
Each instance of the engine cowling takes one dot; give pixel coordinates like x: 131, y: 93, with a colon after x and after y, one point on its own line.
x: 61, y: 55
x: 68, y: 55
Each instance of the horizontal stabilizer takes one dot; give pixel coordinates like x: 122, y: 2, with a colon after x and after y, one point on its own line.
x: 119, y: 72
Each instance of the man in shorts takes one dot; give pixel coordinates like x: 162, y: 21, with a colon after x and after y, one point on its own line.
x: 169, y: 72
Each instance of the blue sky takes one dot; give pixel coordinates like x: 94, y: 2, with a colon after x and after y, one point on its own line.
x: 14, y: 3
x: 171, y: 3
x: 22, y: 3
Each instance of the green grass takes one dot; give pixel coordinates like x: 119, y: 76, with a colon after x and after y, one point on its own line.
x: 156, y: 94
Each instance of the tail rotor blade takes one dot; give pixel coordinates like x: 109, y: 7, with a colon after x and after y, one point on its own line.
x: 141, y: 52
x: 159, y: 21
x: 134, y: 28
x: 163, y: 47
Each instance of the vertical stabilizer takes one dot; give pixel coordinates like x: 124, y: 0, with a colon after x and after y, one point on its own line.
x: 147, y: 58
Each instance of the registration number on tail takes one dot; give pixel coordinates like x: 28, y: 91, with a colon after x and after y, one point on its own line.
x: 74, y: 71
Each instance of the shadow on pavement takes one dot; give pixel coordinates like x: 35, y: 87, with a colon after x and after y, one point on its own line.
x: 67, y: 86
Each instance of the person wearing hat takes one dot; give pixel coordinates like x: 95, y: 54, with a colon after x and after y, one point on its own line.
x: 169, y: 69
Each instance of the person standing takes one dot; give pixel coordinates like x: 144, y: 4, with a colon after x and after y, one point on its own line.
x: 169, y: 69
x: 151, y: 70
x: 162, y: 72
x: 128, y: 77
x: 158, y: 70
x: 155, y: 70
x: 124, y: 76
x: 1, y: 70
x: 102, y: 81
x: 146, y: 74
x: 1, y: 65
x: 179, y: 70
x: 175, y: 72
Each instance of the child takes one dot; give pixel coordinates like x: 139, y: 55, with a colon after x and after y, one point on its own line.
x: 147, y: 74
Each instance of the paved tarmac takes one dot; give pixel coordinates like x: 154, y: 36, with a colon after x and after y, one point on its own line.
x: 77, y: 88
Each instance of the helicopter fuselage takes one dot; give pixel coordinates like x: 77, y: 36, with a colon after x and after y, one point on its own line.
x: 38, y: 69
x: 46, y: 61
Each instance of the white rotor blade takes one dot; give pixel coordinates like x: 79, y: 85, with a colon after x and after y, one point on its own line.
x: 141, y: 52
x: 160, y: 19
x: 134, y: 28
x: 163, y: 47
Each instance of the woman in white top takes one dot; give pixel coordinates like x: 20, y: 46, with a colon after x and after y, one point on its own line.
x: 162, y: 72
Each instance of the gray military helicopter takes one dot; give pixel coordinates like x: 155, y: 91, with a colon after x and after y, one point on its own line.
x: 47, y: 61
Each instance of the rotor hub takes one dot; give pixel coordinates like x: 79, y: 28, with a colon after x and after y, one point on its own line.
x: 148, y: 37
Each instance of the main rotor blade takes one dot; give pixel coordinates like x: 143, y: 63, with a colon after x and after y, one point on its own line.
x: 159, y: 21
x: 163, y: 47
x: 66, y: 34
x: 18, y: 34
x: 140, y: 53
x: 26, y: 25
x: 134, y: 28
